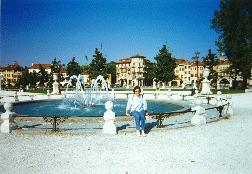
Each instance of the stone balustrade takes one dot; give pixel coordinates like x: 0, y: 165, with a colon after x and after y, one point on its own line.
x: 8, y: 119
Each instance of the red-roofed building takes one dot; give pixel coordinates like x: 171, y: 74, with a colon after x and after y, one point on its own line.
x: 194, y: 72
x: 134, y: 71
x: 12, y: 73
x: 35, y: 68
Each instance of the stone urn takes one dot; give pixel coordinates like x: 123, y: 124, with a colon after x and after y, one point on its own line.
x: 206, y: 72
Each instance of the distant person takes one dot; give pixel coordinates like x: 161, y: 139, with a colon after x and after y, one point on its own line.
x: 137, y: 106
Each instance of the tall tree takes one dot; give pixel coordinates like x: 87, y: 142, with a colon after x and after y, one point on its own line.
x: 111, y: 68
x: 98, y: 65
x: 42, y: 75
x: 24, y: 79
x: 210, y: 61
x: 233, y: 24
x: 73, y: 68
x: 85, y: 67
x: 33, y: 78
x: 163, y: 70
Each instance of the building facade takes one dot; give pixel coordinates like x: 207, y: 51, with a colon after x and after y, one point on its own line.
x: 134, y: 71
x: 11, y: 74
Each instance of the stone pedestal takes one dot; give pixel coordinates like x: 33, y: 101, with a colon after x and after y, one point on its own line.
x: 8, y: 119
x: 198, y: 118
x: 109, y: 126
x: 218, y: 98
x: 163, y: 85
x: 154, y: 84
x: 218, y: 84
x: 206, y: 87
x: 206, y: 82
x: 55, y: 84
x: 15, y: 96
x: 196, y: 93
x: 113, y: 93
x: 48, y: 94
x: 169, y: 94
x: 228, y: 110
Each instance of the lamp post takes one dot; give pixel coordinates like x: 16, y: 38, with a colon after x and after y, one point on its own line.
x: 197, y: 61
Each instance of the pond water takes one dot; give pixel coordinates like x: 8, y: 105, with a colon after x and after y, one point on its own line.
x: 57, y: 108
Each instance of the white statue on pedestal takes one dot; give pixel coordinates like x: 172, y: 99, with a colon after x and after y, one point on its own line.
x: 55, y: 84
x: 163, y: 87
x: 206, y: 82
x: 198, y: 118
x: 154, y: 83
x: 15, y: 96
x: 8, y: 119
x: 109, y: 126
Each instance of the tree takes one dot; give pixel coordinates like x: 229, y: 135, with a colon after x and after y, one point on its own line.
x: 42, y: 75
x: 111, y: 68
x: 210, y: 61
x: 24, y: 79
x: 163, y: 70
x: 98, y: 65
x: 33, y: 78
x: 233, y: 24
x: 73, y: 68
x: 85, y: 68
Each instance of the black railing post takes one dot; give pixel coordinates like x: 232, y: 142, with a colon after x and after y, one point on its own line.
x: 220, y: 108
x: 55, y: 120
x: 54, y: 123
x: 160, y: 119
x: 208, y: 99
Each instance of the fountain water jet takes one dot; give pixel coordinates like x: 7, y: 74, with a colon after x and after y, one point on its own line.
x: 83, y: 97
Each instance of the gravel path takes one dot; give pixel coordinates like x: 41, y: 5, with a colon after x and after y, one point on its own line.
x: 219, y: 147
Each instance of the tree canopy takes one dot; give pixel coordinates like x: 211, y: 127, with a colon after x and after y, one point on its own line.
x: 163, y: 70
x: 111, y: 68
x: 42, y: 75
x: 73, y: 68
x: 24, y: 79
x: 98, y: 65
x: 233, y: 24
x: 210, y: 61
x: 55, y: 66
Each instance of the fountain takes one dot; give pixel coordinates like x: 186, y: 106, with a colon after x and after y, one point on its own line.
x: 83, y: 97
x: 82, y: 101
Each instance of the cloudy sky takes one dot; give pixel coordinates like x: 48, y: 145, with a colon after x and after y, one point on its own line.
x: 40, y: 30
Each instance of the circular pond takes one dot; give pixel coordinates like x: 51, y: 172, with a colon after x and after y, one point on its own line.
x: 58, y: 108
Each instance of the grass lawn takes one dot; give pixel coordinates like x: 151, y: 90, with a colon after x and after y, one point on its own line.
x: 228, y: 91
x: 43, y: 91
